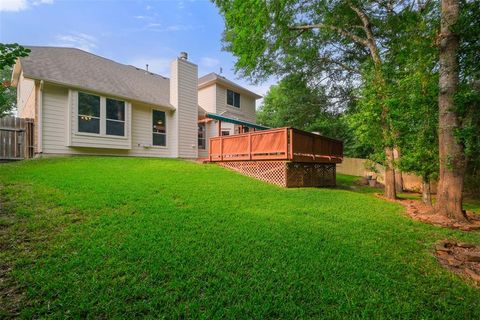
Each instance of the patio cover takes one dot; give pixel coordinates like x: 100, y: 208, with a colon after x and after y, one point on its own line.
x: 236, y: 121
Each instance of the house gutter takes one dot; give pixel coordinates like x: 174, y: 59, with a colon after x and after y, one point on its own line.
x: 39, y: 123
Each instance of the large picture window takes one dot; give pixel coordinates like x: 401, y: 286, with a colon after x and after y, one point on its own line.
x: 88, y: 113
x: 101, y: 115
x: 159, y: 128
x: 233, y: 98
x: 115, y: 117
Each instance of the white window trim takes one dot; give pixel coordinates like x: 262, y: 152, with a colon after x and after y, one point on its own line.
x: 204, y: 136
x: 226, y: 99
x: 103, y: 117
x: 166, y: 130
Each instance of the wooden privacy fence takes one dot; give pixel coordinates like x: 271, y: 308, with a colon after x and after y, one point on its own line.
x: 16, y: 138
x: 276, y: 144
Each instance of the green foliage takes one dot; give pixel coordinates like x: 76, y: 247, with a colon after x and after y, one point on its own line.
x: 467, y: 99
x: 8, y: 56
x: 8, y: 94
x: 107, y: 237
x: 9, y: 52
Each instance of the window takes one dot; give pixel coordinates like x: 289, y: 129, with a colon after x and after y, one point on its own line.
x: 88, y: 113
x: 233, y: 99
x: 159, y: 128
x: 225, y: 132
x: 202, y: 143
x: 115, y: 117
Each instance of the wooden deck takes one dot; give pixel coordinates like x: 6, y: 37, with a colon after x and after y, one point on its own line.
x: 286, y: 144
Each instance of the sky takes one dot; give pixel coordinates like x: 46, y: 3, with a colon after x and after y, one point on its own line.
x: 134, y: 32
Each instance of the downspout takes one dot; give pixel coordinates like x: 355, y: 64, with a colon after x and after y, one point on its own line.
x: 40, y: 118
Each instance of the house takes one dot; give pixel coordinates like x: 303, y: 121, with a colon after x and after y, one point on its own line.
x: 86, y: 104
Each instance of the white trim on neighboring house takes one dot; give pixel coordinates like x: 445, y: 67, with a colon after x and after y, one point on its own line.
x: 239, y: 97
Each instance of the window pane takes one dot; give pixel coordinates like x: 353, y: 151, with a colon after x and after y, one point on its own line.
x: 88, y: 105
x: 88, y: 124
x: 201, y: 136
x: 115, y: 128
x: 159, y: 125
x: 237, y: 100
x: 230, y: 97
x: 115, y: 109
x: 159, y: 140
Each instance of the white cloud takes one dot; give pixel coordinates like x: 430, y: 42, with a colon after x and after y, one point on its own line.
x: 76, y: 40
x: 155, y: 64
x: 38, y: 2
x: 20, y: 5
x: 209, y: 62
x: 13, y: 5
x: 158, y: 27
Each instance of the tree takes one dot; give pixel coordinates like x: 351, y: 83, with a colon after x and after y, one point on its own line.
x: 414, y: 61
x: 342, y: 43
x: 459, y: 87
x: 451, y: 152
x: 8, y: 56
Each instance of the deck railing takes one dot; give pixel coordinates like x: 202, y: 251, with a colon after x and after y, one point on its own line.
x: 276, y: 144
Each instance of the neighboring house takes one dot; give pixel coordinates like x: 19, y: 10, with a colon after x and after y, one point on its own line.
x: 86, y: 104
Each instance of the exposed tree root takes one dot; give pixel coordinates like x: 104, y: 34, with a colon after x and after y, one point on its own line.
x: 461, y: 258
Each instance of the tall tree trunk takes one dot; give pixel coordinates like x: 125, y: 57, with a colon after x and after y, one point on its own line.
x: 389, y: 175
x: 426, y: 192
x: 398, y: 173
x: 451, y: 153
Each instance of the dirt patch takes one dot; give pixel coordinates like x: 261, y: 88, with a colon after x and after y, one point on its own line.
x: 419, y: 211
x: 461, y: 258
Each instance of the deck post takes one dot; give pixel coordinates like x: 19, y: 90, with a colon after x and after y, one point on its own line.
x: 290, y: 157
x: 221, y: 148
x: 249, y: 146
x: 219, y: 128
x: 286, y: 143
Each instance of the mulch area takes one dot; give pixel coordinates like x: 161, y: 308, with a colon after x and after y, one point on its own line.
x: 461, y: 258
x: 419, y: 211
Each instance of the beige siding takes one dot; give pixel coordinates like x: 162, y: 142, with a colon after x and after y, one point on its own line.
x: 56, y: 114
x: 142, y: 138
x: 184, y: 96
x: 25, y: 97
x: 247, y: 105
x: 207, y: 98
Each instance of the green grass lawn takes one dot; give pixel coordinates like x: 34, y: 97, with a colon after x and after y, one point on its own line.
x: 128, y: 237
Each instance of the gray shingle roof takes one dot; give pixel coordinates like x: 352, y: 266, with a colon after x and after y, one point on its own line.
x: 213, y: 77
x: 83, y: 70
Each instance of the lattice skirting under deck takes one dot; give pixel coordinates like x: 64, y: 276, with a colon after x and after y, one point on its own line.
x: 285, y: 173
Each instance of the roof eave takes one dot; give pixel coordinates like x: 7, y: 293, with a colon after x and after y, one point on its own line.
x: 17, y: 70
x: 230, y: 85
x: 169, y: 106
